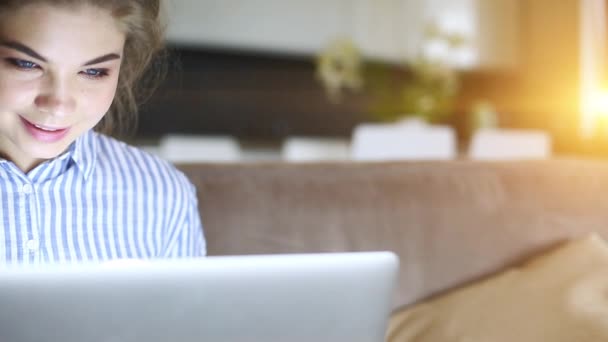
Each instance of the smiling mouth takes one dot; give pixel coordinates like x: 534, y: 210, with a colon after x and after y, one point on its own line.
x: 44, y: 133
x: 42, y: 127
x: 47, y: 128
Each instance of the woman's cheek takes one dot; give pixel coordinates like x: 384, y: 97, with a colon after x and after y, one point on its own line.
x: 98, y: 101
x: 15, y: 95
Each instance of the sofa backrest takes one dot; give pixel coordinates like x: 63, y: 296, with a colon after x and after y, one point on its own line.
x: 450, y: 222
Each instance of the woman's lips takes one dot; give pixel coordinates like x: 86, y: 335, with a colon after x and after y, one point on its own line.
x: 43, y: 133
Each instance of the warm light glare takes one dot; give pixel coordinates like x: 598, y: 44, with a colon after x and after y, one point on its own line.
x: 598, y: 104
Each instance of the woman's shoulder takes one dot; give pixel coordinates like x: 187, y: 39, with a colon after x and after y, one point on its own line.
x: 127, y: 161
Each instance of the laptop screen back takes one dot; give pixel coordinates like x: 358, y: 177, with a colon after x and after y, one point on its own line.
x: 291, y: 297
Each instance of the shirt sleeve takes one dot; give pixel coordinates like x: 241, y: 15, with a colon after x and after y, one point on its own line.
x: 188, y: 238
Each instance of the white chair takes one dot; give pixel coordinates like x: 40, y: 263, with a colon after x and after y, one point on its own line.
x: 199, y: 148
x: 378, y: 142
x: 302, y: 149
x: 503, y: 144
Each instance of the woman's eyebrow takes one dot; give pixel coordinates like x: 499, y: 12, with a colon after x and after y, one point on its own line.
x: 102, y: 59
x: 30, y: 52
x: 22, y: 48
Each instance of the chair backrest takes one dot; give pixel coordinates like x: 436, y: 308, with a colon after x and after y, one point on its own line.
x: 401, y: 142
x: 199, y: 148
x: 315, y: 149
x: 503, y: 144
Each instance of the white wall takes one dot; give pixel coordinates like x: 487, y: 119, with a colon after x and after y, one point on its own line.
x: 384, y: 29
x: 293, y: 26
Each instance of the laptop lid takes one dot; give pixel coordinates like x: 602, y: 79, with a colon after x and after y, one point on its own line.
x: 290, y: 297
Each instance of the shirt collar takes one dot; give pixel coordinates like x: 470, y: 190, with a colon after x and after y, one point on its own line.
x: 83, y: 153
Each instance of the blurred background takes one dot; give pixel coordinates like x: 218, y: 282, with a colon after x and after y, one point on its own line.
x: 381, y: 79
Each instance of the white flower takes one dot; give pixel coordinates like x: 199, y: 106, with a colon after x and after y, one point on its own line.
x: 339, y: 67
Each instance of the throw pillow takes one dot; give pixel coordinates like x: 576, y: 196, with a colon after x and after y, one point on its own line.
x: 559, y: 296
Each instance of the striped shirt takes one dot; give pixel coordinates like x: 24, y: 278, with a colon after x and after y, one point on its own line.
x: 100, y: 200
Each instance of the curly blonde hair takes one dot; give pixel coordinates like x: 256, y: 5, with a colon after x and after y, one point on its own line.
x: 143, y: 57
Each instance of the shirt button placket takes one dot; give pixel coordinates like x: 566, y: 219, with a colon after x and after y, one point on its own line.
x: 32, y: 245
x: 27, y: 189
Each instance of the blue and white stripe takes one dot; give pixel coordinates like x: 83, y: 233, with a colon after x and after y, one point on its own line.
x: 100, y: 200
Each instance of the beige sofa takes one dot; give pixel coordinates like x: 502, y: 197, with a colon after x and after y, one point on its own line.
x: 449, y: 222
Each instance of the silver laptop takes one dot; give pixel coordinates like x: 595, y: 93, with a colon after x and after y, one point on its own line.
x: 290, y: 297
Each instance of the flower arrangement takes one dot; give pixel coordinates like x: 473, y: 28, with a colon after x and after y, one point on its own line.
x: 425, y: 86
x: 339, y: 67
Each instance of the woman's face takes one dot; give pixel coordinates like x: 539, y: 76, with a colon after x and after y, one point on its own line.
x: 59, y: 70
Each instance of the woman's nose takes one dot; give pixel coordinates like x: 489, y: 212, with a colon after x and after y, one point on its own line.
x: 56, y: 99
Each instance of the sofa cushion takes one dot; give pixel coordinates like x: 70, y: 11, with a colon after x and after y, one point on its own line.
x: 561, y: 295
x: 449, y: 221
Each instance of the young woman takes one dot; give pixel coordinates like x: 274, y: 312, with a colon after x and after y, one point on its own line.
x: 69, y: 72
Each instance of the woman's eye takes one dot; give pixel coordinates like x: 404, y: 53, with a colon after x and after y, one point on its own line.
x: 21, y: 64
x: 95, y: 73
